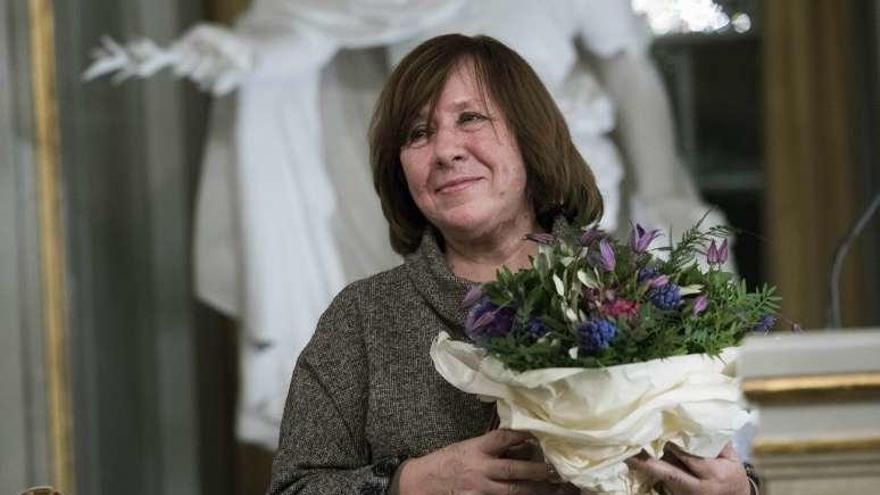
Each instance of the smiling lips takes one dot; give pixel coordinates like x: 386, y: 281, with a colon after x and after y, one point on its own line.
x: 456, y: 185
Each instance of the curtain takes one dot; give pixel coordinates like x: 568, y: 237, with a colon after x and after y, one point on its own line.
x: 812, y: 194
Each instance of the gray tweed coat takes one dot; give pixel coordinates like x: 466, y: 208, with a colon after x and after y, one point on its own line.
x: 365, y: 393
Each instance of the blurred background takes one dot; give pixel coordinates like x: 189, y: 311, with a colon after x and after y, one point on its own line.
x: 116, y: 378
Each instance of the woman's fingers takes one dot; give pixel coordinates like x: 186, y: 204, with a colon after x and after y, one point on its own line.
x: 695, y: 464
x: 526, y: 451
x: 513, y: 470
x: 728, y: 452
x: 524, y: 488
x: 672, y: 477
x: 497, y: 442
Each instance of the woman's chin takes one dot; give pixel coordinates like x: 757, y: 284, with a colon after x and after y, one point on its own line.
x: 464, y: 223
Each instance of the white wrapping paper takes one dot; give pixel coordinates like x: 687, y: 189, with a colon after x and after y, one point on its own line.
x: 588, y: 421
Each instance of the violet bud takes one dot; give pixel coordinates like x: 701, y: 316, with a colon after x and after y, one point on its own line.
x: 541, y: 238
x: 591, y: 235
x: 765, y: 324
x: 486, y: 320
x: 717, y: 255
x: 700, y: 304
x: 712, y: 253
x: 473, y: 295
x: 658, y: 281
x: 606, y: 255
x: 723, y: 253
x: 642, y: 238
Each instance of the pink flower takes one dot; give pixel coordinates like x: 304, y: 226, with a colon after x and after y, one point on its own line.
x: 621, y: 307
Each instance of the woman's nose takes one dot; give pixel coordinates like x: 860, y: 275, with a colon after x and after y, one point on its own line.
x: 449, y: 146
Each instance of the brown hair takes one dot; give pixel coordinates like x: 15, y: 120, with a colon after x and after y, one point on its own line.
x: 559, y: 182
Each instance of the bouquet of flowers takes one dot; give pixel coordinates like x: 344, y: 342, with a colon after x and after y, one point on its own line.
x: 602, y: 350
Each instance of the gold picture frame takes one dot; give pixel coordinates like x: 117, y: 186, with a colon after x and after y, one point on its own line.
x: 47, y: 155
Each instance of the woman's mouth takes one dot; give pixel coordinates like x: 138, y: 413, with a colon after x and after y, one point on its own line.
x: 456, y: 185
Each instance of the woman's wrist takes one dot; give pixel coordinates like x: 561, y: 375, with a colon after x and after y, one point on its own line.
x: 403, y: 482
x: 754, y: 480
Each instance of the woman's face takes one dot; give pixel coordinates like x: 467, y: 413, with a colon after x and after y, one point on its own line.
x: 464, y: 168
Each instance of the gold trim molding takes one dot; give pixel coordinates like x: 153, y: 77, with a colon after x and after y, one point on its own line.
x: 821, y: 388
x: 47, y: 152
x: 766, y: 448
x: 224, y: 11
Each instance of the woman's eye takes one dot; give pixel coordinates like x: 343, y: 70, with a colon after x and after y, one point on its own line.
x: 417, y: 134
x: 469, y: 117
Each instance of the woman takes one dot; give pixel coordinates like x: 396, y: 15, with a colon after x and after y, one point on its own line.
x: 469, y: 155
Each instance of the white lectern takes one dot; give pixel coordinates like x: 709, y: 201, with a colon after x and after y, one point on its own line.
x: 818, y: 400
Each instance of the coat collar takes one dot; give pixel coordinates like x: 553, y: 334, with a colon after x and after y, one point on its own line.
x: 435, y: 282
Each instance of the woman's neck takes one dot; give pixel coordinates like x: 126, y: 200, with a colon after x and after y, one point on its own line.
x: 479, y: 258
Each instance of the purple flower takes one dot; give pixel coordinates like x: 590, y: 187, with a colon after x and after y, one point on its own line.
x: 591, y: 235
x: 473, y: 295
x: 717, y: 255
x: 486, y: 320
x: 541, y: 238
x: 765, y: 324
x: 665, y: 297
x: 642, y: 238
x: 596, y: 335
x: 535, y: 328
x: 700, y: 304
x: 606, y: 257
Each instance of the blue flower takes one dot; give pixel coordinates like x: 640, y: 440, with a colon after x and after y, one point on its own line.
x: 647, y: 273
x: 535, y: 328
x: 596, y: 335
x: 765, y: 324
x: 666, y: 296
x: 486, y: 320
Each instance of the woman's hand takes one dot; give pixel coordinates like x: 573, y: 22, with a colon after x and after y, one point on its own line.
x: 686, y: 474
x: 481, y: 465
